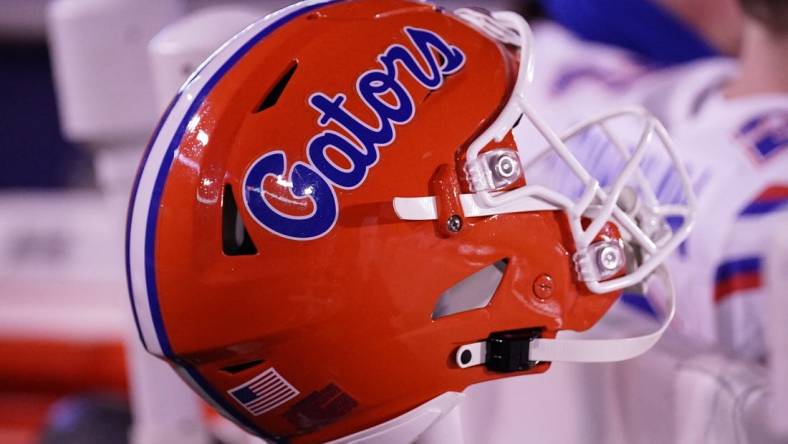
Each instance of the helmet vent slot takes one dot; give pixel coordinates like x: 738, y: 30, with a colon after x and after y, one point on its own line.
x: 273, y: 95
x: 474, y: 292
x: 238, y: 368
x: 235, y: 238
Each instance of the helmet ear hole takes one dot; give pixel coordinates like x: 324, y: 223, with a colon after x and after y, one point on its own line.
x: 473, y: 292
x: 235, y: 238
x: 272, y: 96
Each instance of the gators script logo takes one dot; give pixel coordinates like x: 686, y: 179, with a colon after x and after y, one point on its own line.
x: 317, y: 179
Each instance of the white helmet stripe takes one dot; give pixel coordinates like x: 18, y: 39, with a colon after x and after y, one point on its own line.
x: 146, y: 196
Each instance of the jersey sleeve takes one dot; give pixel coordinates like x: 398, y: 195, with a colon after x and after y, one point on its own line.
x: 739, y: 283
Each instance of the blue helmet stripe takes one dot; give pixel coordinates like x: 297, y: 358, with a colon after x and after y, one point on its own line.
x: 153, y: 210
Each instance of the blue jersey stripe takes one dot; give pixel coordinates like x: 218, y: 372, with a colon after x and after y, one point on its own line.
x: 766, y: 207
x: 640, y: 303
x: 732, y: 268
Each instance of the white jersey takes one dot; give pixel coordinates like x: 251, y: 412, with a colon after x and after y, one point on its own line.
x: 736, y: 151
x: 574, y: 78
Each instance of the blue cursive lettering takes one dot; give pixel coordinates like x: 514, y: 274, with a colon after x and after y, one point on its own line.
x: 392, y: 104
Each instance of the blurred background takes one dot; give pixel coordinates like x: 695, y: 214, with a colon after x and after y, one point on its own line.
x: 83, y: 83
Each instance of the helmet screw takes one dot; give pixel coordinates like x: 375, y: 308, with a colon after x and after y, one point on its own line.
x: 454, y: 224
x: 610, y: 258
x: 505, y: 166
x: 543, y: 286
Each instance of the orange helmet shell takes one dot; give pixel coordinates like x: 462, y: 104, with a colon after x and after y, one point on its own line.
x: 311, y: 122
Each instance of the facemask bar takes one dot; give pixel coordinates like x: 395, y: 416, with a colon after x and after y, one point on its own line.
x: 597, y: 205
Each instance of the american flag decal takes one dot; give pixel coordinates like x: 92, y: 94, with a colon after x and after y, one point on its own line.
x: 264, y: 393
x: 766, y: 135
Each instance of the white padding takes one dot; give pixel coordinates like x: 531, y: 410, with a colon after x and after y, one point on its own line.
x: 408, y: 427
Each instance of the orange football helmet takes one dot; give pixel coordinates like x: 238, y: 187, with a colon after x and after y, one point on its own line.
x: 331, y: 234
